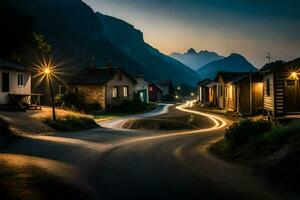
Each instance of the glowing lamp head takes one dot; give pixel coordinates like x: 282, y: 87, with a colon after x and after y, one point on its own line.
x: 294, y: 75
x: 47, y: 71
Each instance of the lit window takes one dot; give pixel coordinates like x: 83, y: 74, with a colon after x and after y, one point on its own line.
x: 125, y: 91
x: 150, y: 89
x: 115, y: 92
x: 20, y: 80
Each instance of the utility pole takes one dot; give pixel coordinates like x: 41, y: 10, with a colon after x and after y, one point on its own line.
x: 269, y: 57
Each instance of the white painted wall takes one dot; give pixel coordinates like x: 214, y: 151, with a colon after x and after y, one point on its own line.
x: 13, y: 84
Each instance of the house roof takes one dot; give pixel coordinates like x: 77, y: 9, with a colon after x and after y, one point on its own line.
x: 157, y: 86
x: 204, y: 82
x: 234, y: 77
x: 163, y: 82
x: 231, y: 76
x: 97, y: 76
x: 270, y: 67
x: 13, y: 66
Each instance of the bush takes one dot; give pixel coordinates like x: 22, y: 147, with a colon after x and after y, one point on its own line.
x: 246, y: 131
x: 77, y: 102
x: 72, y: 123
x: 282, y: 133
x: 131, y: 106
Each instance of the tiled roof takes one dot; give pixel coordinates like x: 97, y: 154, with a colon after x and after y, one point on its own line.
x: 96, y: 76
x: 14, y: 66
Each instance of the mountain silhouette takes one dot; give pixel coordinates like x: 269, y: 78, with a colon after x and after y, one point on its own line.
x: 196, y: 60
x: 233, y: 63
x: 76, y: 34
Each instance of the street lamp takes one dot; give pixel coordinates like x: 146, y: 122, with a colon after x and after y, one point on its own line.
x: 48, y: 73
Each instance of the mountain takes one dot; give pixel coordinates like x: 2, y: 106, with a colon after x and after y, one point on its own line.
x: 76, y: 34
x: 196, y: 60
x: 233, y: 63
x: 130, y: 42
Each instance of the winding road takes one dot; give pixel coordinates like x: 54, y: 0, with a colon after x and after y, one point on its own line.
x: 112, y: 163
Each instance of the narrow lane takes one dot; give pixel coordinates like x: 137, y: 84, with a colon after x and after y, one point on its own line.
x: 112, y: 163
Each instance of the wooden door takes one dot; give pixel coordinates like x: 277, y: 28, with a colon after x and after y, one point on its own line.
x: 292, y: 96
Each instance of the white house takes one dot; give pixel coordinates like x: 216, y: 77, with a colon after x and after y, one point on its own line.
x: 15, y: 82
x: 141, y: 88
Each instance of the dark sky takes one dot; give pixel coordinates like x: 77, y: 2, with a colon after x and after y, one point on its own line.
x: 249, y: 27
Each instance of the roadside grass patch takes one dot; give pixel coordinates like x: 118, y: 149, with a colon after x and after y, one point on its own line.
x: 271, y: 149
x: 72, y: 123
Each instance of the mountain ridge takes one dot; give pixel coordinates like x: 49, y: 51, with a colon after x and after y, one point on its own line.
x: 194, y: 59
x: 233, y: 63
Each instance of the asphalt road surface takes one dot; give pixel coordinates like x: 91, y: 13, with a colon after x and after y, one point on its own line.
x: 111, y: 163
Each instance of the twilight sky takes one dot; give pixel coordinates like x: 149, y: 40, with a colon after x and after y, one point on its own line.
x: 249, y: 27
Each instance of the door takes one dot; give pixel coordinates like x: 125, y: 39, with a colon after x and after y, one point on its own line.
x: 292, y: 96
x: 5, y: 82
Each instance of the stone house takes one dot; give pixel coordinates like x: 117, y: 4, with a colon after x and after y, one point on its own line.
x: 108, y: 86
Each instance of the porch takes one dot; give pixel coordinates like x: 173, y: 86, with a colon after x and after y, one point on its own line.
x: 24, y: 102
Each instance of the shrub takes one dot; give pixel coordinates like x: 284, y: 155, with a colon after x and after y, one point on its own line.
x: 130, y: 106
x: 246, y: 131
x: 282, y: 133
x: 77, y: 102
x: 72, y: 123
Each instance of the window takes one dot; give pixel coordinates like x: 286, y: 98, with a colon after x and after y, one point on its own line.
x: 5, y: 82
x: 268, y: 89
x: 150, y: 89
x: 20, y: 80
x: 125, y: 91
x: 115, y: 92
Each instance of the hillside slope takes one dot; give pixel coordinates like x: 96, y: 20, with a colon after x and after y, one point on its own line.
x: 130, y: 41
x: 76, y: 35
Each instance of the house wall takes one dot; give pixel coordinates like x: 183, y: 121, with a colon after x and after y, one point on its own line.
x: 92, y: 93
x: 257, y: 96
x: 142, y: 85
x: 154, y: 93
x: 229, y: 100
x: 268, y: 100
x: 220, y: 93
x: 13, y: 84
x: 244, y: 96
x: 119, y: 80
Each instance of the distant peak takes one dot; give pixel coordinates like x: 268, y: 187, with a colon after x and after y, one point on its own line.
x: 236, y: 55
x: 191, y: 51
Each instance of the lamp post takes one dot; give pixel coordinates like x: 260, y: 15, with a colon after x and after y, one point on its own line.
x: 47, y: 72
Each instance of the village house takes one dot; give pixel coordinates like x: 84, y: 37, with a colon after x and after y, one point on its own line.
x: 155, y: 92
x: 141, y: 88
x: 15, y: 87
x: 166, y: 86
x: 240, y: 92
x: 281, y: 88
x: 206, y: 92
x: 108, y: 86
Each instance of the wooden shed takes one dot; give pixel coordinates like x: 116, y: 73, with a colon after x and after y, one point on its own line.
x: 281, y: 88
x: 240, y: 92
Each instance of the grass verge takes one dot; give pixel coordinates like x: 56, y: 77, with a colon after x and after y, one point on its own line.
x: 71, y: 123
x: 271, y: 149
